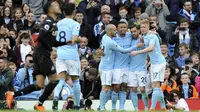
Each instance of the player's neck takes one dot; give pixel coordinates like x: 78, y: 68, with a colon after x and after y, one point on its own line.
x: 109, y: 35
x: 71, y: 17
x: 165, y: 55
x: 53, y: 16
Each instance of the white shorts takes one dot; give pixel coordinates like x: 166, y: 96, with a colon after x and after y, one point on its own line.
x: 157, y: 72
x: 120, y: 75
x: 72, y: 67
x: 106, y: 77
x: 137, y: 79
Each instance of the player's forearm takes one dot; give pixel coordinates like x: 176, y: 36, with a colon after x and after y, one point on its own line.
x: 57, y: 43
x: 148, y: 49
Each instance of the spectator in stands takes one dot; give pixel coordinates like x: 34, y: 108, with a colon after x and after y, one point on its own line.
x: 29, y: 23
x: 7, y: 18
x: 6, y: 78
x: 183, y: 34
x: 136, y: 16
x: 84, y: 50
x: 180, y: 103
x: 153, y: 19
x: 84, y: 65
x: 114, y: 6
x: 174, y: 7
x: 123, y: 14
x: 160, y: 9
x: 23, y: 48
x: 188, y: 14
x: 8, y: 3
x: 90, y: 84
x: 99, y: 29
x: 13, y: 67
x: 25, y: 9
x: 85, y: 29
x: 12, y: 36
x: 133, y: 4
x: 169, y: 84
x: 18, y: 22
x: 184, y: 54
x: 36, y: 6
x: 25, y: 78
x: 188, y: 67
x: 195, y: 61
x: 90, y: 10
x: 7, y: 51
x: 186, y: 89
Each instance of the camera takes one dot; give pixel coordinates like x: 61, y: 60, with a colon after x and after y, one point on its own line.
x: 187, y: 68
x: 30, y: 61
x: 151, y: 27
x: 182, y: 28
x: 88, y: 104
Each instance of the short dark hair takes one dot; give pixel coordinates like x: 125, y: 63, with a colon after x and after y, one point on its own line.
x: 28, y: 55
x: 135, y: 25
x: 104, y: 13
x: 183, y: 20
x: 176, y: 92
x: 25, y: 36
x: 77, y: 11
x: 69, y: 8
x: 47, y: 6
x: 164, y: 43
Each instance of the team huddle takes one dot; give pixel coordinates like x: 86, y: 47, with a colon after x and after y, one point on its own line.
x: 123, y: 63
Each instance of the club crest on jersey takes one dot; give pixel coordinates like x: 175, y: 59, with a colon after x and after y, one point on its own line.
x: 46, y: 27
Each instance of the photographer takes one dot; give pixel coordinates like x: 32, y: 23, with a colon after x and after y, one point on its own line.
x: 183, y: 34
x: 25, y: 78
x: 6, y: 78
x: 180, y: 103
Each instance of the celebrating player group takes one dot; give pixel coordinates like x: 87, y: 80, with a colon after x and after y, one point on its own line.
x: 123, y: 64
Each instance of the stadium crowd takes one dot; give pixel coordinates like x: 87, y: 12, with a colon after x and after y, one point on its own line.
x: 175, y: 22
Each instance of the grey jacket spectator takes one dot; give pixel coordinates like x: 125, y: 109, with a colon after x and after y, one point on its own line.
x: 6, y: 78
x: 36, y: 6
x: 161, y: 13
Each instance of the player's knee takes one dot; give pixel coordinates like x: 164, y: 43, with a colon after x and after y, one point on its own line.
x: 41, y: 86
x: 62, y: 75
x: 106, y: 88
x: 156, y: 84
x: 142, y: 89
x: 116, y: 88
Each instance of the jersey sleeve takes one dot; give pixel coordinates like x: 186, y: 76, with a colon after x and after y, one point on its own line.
x: 152, y: 40
x: 44, y: 29
x: 115, y: 46
x: 76, y: 29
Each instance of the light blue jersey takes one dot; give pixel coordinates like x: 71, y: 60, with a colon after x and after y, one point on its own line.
x: 109, y: 46
x: 156, y: 56
x: 138, y: 62
x: 122, y: 60
x: 66, y: 29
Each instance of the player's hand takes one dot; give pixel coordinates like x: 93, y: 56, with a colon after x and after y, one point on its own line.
x: 89, y: 52
x: 139, y: 45
x: 133, y: 53
x: 70, y: 42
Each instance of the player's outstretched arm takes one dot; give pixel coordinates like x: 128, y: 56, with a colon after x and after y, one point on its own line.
x: 148, y: 49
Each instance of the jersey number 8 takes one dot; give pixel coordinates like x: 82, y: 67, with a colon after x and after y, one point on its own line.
x: 62, y: 35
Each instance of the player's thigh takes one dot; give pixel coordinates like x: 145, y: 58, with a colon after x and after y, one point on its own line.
x: 157, y: 72
x: 61, y: 66
x: 142, y: 78
x: 46, y: 65
x: 73, y: 67
x: 132, y: 79
x: 106, y: 77
x: 117, y: 76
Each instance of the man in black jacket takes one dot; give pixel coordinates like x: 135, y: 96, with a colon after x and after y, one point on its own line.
x: 90, y: 84
x: 6, y: 78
